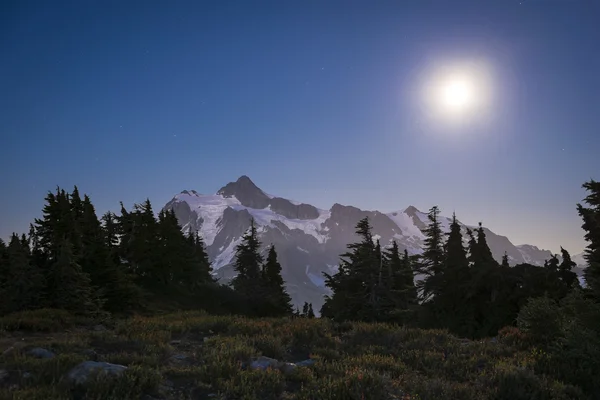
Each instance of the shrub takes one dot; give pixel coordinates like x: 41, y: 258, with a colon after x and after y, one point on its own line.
x: 540, y: 320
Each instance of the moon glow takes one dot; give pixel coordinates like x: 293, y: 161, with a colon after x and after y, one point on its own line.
x: 455, y: 95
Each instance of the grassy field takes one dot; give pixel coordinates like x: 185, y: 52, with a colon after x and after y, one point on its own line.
x: 192, y: 355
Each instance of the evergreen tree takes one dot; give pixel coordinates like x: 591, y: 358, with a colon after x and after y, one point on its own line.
x: 23, y: 283
x: 354, y: 286
x: 567, y: 276
x: 505, y: 261
x: 174, y: 251
x: 400, y: 291
x: 56, y: 225
x: 69, y: 288
x: 451, y: 302
x: 311, y: 313
x: 279, y: 302
x: 484, y: 254
x: 197, y: 269
x: 3, y: 263
x: 305, y: 310
x: 431, y: 263
x: 248, y: 265
x: 591, y: 225
x: 473, y: 249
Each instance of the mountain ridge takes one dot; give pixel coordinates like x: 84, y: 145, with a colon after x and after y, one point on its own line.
x: 309, y: 240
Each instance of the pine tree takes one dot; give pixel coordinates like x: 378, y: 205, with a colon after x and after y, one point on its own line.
x: 431, y: 262
x: 400, y: 291
x: 173, y: 252
x: 354, y: 286
x: 3, y: 263
x: 567, y: 276
x: 56, y: 225
x: 22, y: 287
x: 197, y: 269
x: 69, y: 287
x: 278, y: 300
x: 310, y: 313
x: 305, y: 310
x: 248, y: 265
x: 484, y: 253
x: 505, y: 263
x: 591, y: 225
x: 473, y: 253
x: 451, y: 302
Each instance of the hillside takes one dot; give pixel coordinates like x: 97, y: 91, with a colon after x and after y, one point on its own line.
x: 196, y: 356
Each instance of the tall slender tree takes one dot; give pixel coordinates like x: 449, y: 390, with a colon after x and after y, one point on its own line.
x: 565, y: 270
x: 354, y: 284
x: 591, y: 225
x: 278, y: 300
x: 248, y: 264
x: 432, y: 258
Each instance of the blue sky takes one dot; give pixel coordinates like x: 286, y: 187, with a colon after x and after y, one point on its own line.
x: 317, y: 101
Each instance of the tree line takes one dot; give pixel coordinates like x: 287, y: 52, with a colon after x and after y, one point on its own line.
x: 131, y: 262
x: 463, y: 288
x: 137, y: 262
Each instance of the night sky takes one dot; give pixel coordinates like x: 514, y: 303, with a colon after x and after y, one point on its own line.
x: 317, y: 101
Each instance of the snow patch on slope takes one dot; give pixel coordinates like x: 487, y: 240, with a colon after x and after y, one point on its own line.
x: 210, y: 208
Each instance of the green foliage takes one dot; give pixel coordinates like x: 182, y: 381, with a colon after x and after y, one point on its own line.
x: 540, y: 320
x: 278, y: 301
x: 351, y: 360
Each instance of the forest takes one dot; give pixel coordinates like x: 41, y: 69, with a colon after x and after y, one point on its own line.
x: 139, y: 264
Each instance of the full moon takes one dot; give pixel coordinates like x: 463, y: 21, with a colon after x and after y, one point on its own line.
x: 457, y: 94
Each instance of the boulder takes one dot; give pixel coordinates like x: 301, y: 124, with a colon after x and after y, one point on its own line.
x: 38, y: 352
x: 82, y: 372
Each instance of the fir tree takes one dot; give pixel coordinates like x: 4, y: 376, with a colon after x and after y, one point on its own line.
x: 567, y: 276
x: 505, y: 261
x: 354, y: 286
x: 23, y: 282
x: 310, y: 313
x: 431, y: 260
x: 248, y: 265
x: 484, y: 254
x: 279, y: 302
x: 451, y: 302
x: 69, y: 287
x: 400, y: 291
x: 197, y: 269
x: 591, y: 225
x: 3, y: 263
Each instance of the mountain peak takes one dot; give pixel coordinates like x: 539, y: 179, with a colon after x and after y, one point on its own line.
x: 246, y: 192
x: 411, y: 210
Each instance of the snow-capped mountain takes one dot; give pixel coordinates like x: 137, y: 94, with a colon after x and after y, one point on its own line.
x: 308, y: 240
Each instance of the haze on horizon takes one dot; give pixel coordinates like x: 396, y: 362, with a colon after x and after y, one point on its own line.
x: 488, y: 109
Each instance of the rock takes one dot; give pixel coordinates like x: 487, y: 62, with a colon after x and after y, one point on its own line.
x: 287, y: 368
x: 27, y: 375
x: 264, y: 363
x: 206, y: 339
x: 305, y: 363
x: 175, y: 342
x: 80, y: 374
x: 38, y: 352
x: 3, y: 374
x: 100, y: 328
